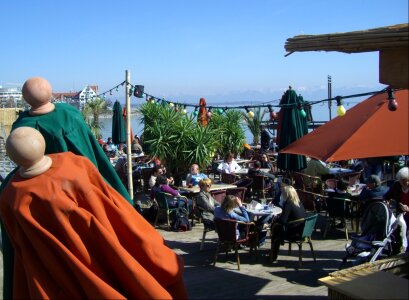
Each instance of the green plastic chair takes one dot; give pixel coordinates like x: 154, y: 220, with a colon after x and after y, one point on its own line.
x: 163, y: 207
x: 304, y: 237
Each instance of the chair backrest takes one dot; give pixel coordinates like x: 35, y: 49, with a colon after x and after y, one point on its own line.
x: 307, y: 199
x: 306, y: 182
x: 160, y: 198
x: 228, y: 178
x: 258, y: 182
x: 226, y: 229
x: 239, y: 192
x: 336, y: 206
x: 309, y: 225
x: 218, y: 195
x: 245, y: 182
x: 146, y: 174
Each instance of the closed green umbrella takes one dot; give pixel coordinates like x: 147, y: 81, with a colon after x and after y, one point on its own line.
x: 292, y: 126
x: 118, y: 126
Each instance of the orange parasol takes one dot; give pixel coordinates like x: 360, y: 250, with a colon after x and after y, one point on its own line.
x: 202, y: 116
x: 369, y: 129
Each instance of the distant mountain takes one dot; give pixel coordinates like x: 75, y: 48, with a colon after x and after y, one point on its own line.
x: 252, y: 97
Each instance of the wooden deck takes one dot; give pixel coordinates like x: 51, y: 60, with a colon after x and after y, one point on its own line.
x: 258, y: 278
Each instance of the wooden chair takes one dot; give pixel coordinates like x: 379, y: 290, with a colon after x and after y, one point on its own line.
x: 226, y: 231
x: 163, y: 206
x: 337, y: 209
x: 146, y: 174
x: 218, y: 195
x: 304, y: 237
x: 311, y: 201
x: 228, y: 178
x: 239, y: 192
x: 207, y: 227
x: 306, y: 182
x: 259, y: 186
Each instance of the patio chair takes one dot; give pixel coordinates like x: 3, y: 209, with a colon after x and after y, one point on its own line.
x: 259, y: 186
x: 311, y: 201
x: 218, y: 195
x: 228, y: 178
x: 306, y: 182
x: 208, y: 226
x: 226, y: 231
x: 145, y: 175
x: 337, y: 209
x: 239, y: 192
x: 163, y: 206
x: 304, y: 237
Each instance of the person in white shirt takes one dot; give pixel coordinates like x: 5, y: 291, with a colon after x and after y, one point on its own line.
x: 229, y: 165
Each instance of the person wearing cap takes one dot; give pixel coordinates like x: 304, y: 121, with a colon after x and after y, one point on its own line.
x: 373, y: 189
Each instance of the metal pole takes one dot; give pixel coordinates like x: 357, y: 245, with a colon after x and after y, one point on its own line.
x: 128, y: 132
x: 329, y: 96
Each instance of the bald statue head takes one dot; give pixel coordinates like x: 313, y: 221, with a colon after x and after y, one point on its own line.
x: 37, y: 92
x: 25, y: 146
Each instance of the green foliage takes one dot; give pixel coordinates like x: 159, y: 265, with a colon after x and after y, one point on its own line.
x: 91, y: 112
x: 231, y: 135
x: 179, y: 140
x: 254, y: 123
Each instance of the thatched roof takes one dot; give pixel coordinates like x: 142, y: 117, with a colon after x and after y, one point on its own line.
x: 351, y: 42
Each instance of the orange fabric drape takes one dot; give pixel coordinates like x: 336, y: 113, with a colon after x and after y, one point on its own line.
x: 75, y: 237
x: 202, y: 115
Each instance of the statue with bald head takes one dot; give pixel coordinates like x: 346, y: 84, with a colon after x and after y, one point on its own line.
x: 37, y: 92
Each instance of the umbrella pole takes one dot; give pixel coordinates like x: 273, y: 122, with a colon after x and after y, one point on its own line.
x: 128, y: 133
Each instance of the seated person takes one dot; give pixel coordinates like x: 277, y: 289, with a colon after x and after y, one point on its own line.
x: 107, y: 151
x: 266, y: 163
x: 227, y: 211
x: 341, y: 192
x: 136, y: 148
x: 316, y: 167
x: 162, y: 185
x: 293, y: 210
x: 229, y: 165
x: 268, y: 178
x: 373, y: 189
x: 157, y: 170
x: 206, y: 203
x: 194, y: 176
x: 399, y: 192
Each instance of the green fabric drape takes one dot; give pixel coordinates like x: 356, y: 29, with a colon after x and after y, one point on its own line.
x: 293, y: 126
x: 118, y: 126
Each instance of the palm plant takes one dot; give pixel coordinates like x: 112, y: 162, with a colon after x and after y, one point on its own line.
x: 254, y: 123
x: 230, y: 137
x: 91, y: 112
x: 178, y: 140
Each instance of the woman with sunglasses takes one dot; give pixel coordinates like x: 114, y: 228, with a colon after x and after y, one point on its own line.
x: 205, y: 203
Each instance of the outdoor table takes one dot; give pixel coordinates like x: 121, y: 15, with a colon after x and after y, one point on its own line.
x: 238, y: 161
x: 214, y: 187
x: 256, y: 213
x: 245, y: 171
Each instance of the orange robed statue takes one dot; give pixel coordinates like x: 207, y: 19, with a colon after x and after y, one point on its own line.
x: 74, y: 236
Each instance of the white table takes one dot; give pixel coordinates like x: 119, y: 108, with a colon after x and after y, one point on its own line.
x: 214, y: 187
x: 244, y: 171
x: 274, y: 211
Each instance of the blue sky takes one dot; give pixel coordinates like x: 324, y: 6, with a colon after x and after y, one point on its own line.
x: 223, y: 50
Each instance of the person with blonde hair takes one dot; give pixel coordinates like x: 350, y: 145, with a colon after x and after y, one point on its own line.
x: 227, y: 211
x: 293, y: 210
x: 205, y: 203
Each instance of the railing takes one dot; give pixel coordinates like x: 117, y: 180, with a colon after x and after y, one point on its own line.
x: 6, y: 165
